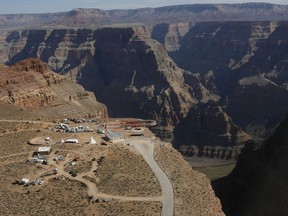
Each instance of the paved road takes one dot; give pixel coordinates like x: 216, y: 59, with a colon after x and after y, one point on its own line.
x: 146, y: 148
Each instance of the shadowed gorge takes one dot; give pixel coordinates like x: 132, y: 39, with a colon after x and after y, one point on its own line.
x: 248, y: 63
x: 257, y: 184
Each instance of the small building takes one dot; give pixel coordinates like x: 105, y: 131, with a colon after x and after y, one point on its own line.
x: 45, y: 150
x: 113, y: 136
x: 137, y: 132
x: 71, y: 141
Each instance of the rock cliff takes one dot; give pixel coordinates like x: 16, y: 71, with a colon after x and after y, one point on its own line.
x: 241, y: 63
x: 121, y: 66
x: 248, y: 61
x: 257, y: 185
x: 30, y: 84
x: 208, y: 131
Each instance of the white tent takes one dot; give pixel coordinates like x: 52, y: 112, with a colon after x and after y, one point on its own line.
x: 62, y: 141
x: 92, y: 141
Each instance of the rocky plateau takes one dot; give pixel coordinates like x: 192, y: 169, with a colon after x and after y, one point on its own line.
x: 190, y: 13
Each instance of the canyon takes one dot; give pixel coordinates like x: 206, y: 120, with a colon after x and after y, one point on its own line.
x: 213, y: 76
x: 165, y: 71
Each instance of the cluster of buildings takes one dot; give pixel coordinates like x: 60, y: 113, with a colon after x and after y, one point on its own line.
x: 27, y: 182
x: 41, y: 155
x: 77, y: 129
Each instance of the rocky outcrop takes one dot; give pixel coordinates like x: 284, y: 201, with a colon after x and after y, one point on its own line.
x: 208, y: 131
x: 257, y: 185
x: 30, y: 84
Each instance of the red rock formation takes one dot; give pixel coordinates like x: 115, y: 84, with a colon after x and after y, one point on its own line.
x: 31, y: 85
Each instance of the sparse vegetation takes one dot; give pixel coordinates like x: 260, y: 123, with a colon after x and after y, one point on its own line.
x: 188, y: 185
x: 13, y: 143
x: 80, y: 167
x: 40, y: 202
x: 118, y: 208
x: 126, y: 173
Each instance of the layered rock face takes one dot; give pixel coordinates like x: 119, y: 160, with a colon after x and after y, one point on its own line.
x: 257, y: 186
x: 249, y: 63
x: 30, y: 84
x: 243, y: 63
x: 127, y: 70
x: 208, y: 131
x: 170, y: 34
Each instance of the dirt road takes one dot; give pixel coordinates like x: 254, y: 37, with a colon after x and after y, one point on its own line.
x: 25, y: 121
